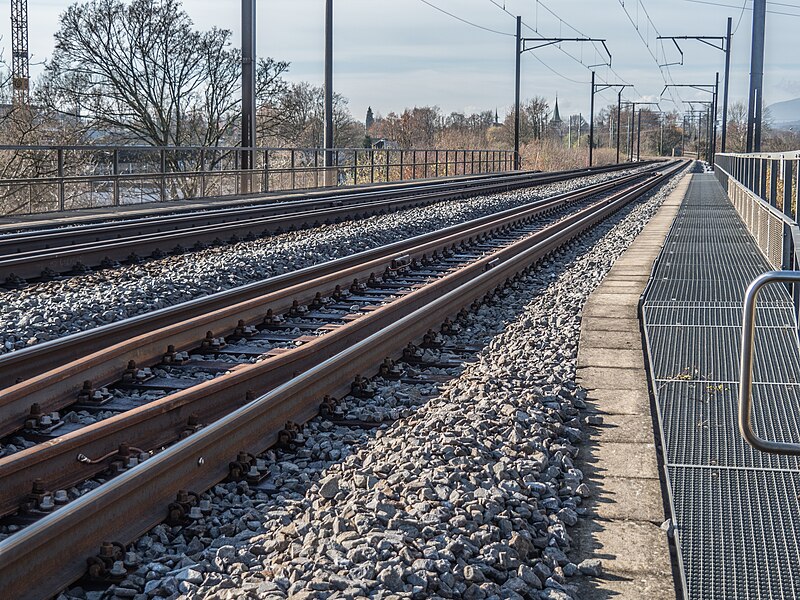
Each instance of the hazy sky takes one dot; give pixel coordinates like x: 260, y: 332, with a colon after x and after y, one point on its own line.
x: 393, y: 54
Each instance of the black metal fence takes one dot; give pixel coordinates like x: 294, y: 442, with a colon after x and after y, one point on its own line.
x: 36, y: 179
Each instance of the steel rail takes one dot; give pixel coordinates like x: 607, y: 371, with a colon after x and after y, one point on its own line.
x: 160, y: 422
x: 53, y: 373
x: 28, y: 255
x: 50, y: 554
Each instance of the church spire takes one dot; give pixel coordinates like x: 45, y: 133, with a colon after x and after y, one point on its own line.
x: 556, y: 115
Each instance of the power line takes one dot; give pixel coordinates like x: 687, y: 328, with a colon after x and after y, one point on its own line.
x: 579, y: 32
x: 668, y: 78
x: 449, y: 14
x: 573, y: 57
x: 741, y: 15
x: 549, y: 68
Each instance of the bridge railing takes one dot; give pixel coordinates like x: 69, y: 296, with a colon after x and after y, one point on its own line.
x: 764, y: 190
x: 37, y: 179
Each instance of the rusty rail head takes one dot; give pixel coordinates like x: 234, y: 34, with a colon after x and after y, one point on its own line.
x: 48, y: 555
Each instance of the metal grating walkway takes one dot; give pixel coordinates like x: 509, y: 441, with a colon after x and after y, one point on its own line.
x: 736, y: 510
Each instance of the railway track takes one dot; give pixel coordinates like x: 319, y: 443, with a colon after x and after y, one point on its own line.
x: 49, y: 253
x: 251, y: 406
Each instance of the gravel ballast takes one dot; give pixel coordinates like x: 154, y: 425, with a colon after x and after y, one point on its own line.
x: 468, y: 490
x: 47, y: 311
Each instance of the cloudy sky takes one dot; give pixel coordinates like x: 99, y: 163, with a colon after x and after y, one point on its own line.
x: 393, y: 54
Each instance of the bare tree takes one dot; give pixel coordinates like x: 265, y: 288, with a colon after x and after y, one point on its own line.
x: 140, y: 72
x: 297, y: 118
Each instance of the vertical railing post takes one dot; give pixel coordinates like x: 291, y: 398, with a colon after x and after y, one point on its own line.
x: 355, y: 167
x: 388, y: 166
x: 413, y: 164
x: 203, y: 172
x: 265, y: 176
x: 774, y: 166
x: 163, y: 158
x: 446, y: 163
x: 745, y: 178
x: 115, y: 171
x: 291, y: 169
x: 425, y: 165
x: 762, y: 177
x: 62, y: 192
x: 401, y: 165
x: 372, y: 166
x: 788, y: 244
x: 316, y: 168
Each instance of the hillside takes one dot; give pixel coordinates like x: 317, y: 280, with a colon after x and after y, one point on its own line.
x: 784, y: 113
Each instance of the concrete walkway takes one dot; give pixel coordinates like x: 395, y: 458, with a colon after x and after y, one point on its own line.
x: 620, y: 461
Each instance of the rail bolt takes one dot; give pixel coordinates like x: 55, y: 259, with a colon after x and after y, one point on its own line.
x: 432, y: 340
x: 328, y: 407
x: 412, y: 355
x: 389, y: 370
x: 48, y: 274
x: 357, y: 287
x: 108, y: 263
x: 80, y: 269
x: 34, y: 416
x: 297, y: 309
x: 14, y: 281
x: 104, y: 567
x: 130, y: 373
x: 362, y: 388
x: 317, y: 302
x: 243, y: 330
x: 449, y: 328
x: 47, y: 504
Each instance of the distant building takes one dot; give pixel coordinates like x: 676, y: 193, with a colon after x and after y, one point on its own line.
x: 496, y: 119
x: 556, y: 123
x: 384, y: 144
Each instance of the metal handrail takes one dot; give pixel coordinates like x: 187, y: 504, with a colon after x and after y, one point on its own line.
x: 746, y: 364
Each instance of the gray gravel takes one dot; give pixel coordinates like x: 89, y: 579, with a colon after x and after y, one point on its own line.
x: 468, y: 490
x: 47, y: 311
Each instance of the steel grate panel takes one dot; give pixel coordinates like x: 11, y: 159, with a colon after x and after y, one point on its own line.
x: 738, y: 531
x: 712, y: 354
x: 698, y: 290
x: 677, y: 267
x: 695, y: 315
x: 700, y: 427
